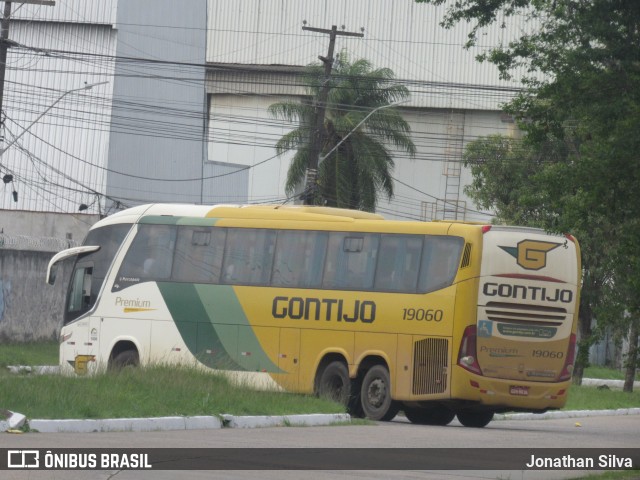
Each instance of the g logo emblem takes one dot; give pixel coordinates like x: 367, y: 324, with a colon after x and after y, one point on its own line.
x: 531, y: 254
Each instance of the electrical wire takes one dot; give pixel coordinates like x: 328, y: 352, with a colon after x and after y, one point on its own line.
x: 108, y: 121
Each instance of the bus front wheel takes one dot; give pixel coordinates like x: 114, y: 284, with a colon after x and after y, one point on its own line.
x: 334, y: 383
x: 375, y: 395
x: 127, y: 358
x: 475, y: 419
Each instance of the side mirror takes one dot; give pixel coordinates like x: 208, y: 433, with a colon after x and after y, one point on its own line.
x: 51, y: 277
x: 58, y: 257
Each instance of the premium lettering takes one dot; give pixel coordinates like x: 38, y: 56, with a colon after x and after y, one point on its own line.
x: 132, y: 302
x: 522, y: 292
x: 328, y: 309
x: 499, y: 351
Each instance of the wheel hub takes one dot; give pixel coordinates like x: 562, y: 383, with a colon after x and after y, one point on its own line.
x: 376, y: 392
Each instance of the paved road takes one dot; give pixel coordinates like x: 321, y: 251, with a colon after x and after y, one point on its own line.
x: 588, y: 432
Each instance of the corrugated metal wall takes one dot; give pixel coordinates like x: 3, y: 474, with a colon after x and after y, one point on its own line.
x: 256, y: 50
x: 242, y: 135
x: 225, y: 183
x: 69, y: 11
x: 58, y: 163
x: 398, y: 34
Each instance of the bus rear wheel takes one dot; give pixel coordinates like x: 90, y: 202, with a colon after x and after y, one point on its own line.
x: 439, y: 416
x: 375, y: 395
x: 475, y: 419
x: 334, y: 383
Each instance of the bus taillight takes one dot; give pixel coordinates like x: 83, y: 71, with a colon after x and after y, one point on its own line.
x: 467, y: 356
x: 567, y: 370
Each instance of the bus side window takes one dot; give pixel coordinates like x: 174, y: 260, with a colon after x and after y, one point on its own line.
x: 398, y: 263
x: 299, y: 259
x: 151, y: 253
x: 440, y: 260
x: 351, y: 261
x: 199, y: 252
x: 248, y: 256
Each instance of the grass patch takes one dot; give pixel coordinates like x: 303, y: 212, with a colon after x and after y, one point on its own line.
x: 591, y: 398
x: 41, y: 353
x: 147, y: 392
x: 606, y: 373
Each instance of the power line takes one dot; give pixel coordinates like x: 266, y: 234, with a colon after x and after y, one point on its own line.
x: 160, y: 128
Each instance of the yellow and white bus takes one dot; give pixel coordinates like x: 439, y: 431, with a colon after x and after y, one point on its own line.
x: 436, y: 319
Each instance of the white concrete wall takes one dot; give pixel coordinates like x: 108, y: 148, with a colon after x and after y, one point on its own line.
x: 30, y: 309
x: 62, y: 226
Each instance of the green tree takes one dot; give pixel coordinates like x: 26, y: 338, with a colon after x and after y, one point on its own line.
x: 359, y: 126
x: 527, y: 186
x: 581, y: 102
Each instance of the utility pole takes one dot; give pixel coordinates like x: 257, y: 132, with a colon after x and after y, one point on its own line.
x: 4, y: 46
x: 317, y: 139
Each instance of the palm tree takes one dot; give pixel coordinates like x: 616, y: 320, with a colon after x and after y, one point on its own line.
x: 359, y: 124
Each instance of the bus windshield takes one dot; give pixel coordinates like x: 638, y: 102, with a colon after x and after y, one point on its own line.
x: 91, y: 269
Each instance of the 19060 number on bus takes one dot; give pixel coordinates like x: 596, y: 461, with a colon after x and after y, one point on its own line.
x: 422, y: 314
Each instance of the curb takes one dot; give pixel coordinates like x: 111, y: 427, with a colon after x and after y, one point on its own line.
x: 260, y: 421
x: 567, y: 414
x: 125, y: 424
x: 183, y: 423
x: 309, y: 420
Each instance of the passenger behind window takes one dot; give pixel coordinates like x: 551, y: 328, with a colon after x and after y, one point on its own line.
x: 157, y: 251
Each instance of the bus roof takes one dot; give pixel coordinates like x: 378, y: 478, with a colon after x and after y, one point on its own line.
x: 303, y: 213
x: 288, y: 212
x: 292, y: 212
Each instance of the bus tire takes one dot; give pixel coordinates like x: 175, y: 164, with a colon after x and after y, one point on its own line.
x: 354, y: 407
x: 334, y: 383
x: 128, y: 358
x: 375, y: 395
x: 438, y: 416
x: 475, y: 419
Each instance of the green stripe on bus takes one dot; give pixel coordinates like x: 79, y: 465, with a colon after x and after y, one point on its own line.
x: 234, y: 328
x: 215, y: 327
x: 195, y: 327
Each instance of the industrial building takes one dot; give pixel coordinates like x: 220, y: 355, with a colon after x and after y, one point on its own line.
x: 177, y: 105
